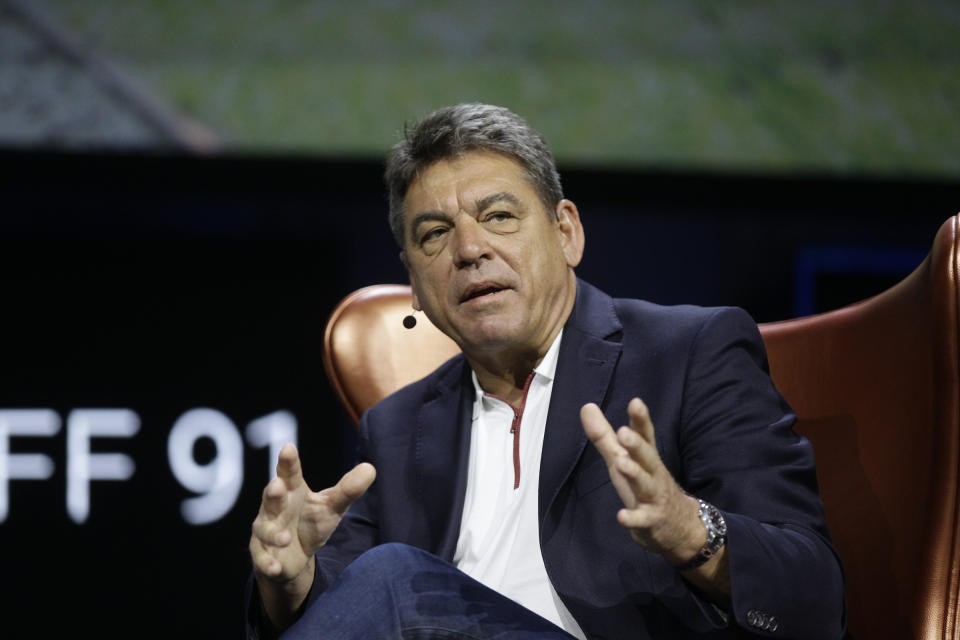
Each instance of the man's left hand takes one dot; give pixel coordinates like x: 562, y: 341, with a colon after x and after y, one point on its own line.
x: 660, y: 516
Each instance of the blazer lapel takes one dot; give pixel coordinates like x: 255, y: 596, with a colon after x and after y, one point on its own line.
x: 589, y: 352
x: 588, y: 357
x: 442, y: 451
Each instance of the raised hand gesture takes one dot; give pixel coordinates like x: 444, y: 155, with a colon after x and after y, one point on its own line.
x: 292, y: 524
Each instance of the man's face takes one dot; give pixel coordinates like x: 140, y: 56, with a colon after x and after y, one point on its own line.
x: 488, y: 264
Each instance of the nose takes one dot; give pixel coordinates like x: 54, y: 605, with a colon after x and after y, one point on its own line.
x: 470, y: 244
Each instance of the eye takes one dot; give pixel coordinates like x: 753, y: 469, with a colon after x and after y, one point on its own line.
x: 501, y: 222
x: 497, y: 216
x: 432, y: 234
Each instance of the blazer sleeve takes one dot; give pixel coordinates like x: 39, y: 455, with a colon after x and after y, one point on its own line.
x: 740, y: 453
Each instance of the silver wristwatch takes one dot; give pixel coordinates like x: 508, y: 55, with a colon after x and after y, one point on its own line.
x: 716, y: 528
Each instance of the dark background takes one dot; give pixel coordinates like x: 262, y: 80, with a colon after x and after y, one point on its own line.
x: 163, y: 283
x: 188, y: 188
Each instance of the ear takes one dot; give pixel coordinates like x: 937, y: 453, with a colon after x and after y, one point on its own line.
x: 413, y: 281
x: 414, y: 300
x: 571, y: 232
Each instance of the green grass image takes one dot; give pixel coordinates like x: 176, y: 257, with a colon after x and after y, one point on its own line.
x: 847, y: 87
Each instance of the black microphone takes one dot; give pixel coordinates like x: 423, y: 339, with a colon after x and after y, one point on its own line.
x: 409, y: 321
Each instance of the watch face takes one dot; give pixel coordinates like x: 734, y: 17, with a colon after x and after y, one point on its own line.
x: 718, y: 522
x: 713, y: 521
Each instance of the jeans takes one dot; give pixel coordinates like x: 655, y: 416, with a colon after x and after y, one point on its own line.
x: 399, y: 592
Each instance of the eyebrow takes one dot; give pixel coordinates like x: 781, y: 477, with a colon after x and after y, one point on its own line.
x: 500, y: 196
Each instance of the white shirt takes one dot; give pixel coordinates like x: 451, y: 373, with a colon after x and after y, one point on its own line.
x: 499, y: 543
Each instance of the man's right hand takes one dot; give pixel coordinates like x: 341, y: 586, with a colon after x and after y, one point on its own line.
x: 292, y: 524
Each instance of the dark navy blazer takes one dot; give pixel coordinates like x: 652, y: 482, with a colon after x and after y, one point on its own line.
x: 722, y: 430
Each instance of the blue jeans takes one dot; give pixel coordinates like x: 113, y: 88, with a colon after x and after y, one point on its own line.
x: 397, y: 591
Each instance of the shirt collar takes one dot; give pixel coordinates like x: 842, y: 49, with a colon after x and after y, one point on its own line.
x: 548, y: 366
x: 547, y: 369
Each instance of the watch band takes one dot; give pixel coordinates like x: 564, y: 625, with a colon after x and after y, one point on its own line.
x: 716, y: 528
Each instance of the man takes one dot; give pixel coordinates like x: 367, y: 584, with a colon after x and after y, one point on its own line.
x: 698, y: 519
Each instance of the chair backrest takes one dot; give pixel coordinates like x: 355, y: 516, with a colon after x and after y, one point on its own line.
x: 876, y: 387
x: 369, y: 353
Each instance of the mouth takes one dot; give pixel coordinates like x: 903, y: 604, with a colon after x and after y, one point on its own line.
x: 480, y: 290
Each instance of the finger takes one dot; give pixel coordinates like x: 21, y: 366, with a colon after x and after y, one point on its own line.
x: 640, y: 420
x: 352, y: 485
x: 641, y: 443
x: 639, y: 480
x: 634, y: 518
x: 602, y: 436
x: 288, y: 466
x: 600, y: 432
x: 264, y: 562
x: 271, y: 533
x: 356, y: 481
x: 638, y: 449
x: 274, y: 497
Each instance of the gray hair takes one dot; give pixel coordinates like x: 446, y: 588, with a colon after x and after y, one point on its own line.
x: 452, y: 131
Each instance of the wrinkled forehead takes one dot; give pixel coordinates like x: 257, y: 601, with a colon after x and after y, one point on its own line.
x: 463, y: 182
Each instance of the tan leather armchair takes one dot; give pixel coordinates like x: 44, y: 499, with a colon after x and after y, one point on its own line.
x: 368, y: 353
x: 876, y: 386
